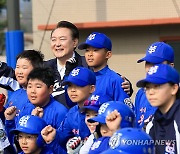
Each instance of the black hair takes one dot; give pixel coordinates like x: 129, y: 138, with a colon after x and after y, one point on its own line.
x: 35, y: 57
x: 69, y: 25
x: 44, y: 74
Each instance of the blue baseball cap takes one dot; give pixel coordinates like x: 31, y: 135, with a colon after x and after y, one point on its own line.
x: 157, y: 53
x: 97, y: 40
x: 81, y: 76
x: 108, y: 107
x: 160, y: 74
x: 29, y: 124
x: 95, y: 101
x: 130, y: 140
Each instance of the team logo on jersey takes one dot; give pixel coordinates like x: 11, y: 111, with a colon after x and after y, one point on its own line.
x: 114, y: 141
x: 128, y: 102
x: 95, y: 97
x: 153, y: 70
x: 91, y: 36
x: 23, y: 120
x: 2, y: 135
x: 103, y: 108
x: 75, y: 72
x: 96, y: 145
x: 152, y: 49
x: 170, y: 148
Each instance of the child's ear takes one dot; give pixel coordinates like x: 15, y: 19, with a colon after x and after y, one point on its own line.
x: 108, y: 54
x: 175, y: 89
x: 92, y: 88
x: 51, y: 89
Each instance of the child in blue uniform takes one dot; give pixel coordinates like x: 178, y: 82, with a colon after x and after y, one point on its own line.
x: 90, y: 108
x: 162, y: 91
x: 111, y: 117
x: 28, y: 134
x: 158, y: 52
x: 81, y: 84
x: 41, y: 103
x: 97, y: 52
x: 26, y: 62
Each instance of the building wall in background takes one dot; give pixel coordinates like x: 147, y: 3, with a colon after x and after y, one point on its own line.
x: 129, y: 43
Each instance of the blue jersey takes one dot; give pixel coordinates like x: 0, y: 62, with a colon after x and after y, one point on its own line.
x: 53, y: 113
x: 18, y: 98
x: 109, y: 83
x: 100, y: 145
x: 73, y: 125
x: 143, y: 109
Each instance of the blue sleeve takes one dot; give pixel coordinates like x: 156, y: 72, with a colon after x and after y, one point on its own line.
x: 137, y: 105
x: 9, y: 125
x: 65, y: 131
x: 120, y: 94
x: 56, y: 147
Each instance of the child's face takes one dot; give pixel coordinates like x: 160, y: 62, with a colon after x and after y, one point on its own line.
x: 105, y: 131
x: 27, y: 143
x: 79, y: 94
x: 90, y: 114
x: 22, y: 70
x: 38, y: 92
x: 62, y: 43
x: 162, y: 96
x: 97, y: 58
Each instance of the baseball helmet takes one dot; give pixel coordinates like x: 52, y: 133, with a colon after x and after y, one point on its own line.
x: 30, y: 124
x: 130, y: 140
x: 106, y: 108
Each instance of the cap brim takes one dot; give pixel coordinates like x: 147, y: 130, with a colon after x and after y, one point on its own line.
x: 84, y: 45
x: 80, y: 84
x: 24, y: 130
x: 99, y: 119
x: 151, y: 59
x: 154, y: 80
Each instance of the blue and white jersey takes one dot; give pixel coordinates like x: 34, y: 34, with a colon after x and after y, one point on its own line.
x: 143, y: 109
x: 109, y: 83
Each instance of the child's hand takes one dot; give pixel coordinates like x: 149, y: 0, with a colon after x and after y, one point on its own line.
x: 37, y: 112
x: 125, y: 85
x: 73, y: 145
x: 10, y: 113
x: 113, y: 120
x: 48, y: 133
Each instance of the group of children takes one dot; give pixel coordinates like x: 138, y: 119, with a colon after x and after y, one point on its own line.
x: 103, y: 118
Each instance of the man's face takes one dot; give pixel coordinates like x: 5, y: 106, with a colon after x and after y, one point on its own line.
x: 62, y: 43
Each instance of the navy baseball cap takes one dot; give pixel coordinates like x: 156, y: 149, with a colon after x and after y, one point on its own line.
x: 157, y: 53
x: 81, y: 76
x: 97, y: 40
x: 160, y: 74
